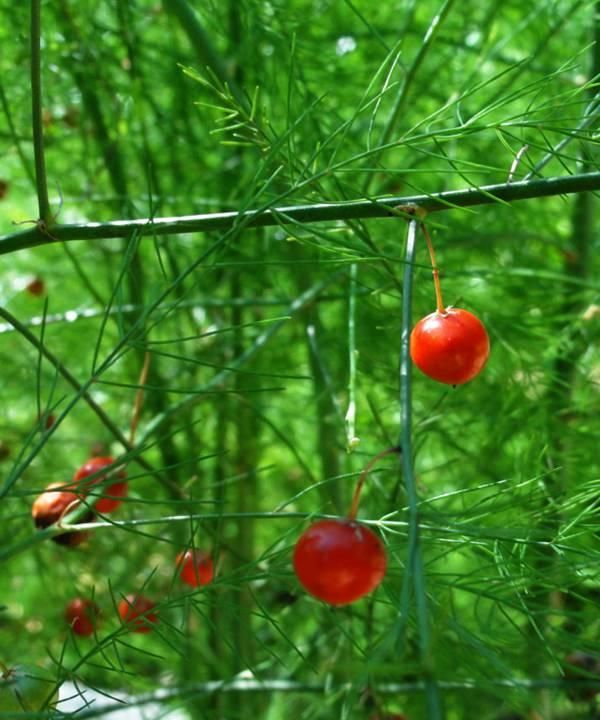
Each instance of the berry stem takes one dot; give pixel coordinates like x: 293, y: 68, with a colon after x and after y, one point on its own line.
x: 435, y: 271
x: 363, y: 476
x: 139, y: 398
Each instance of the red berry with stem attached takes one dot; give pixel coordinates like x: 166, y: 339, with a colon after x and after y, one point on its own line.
x: 113, y: 492
x: 339, y: 561
x: 81, y: 615
x: 136, y: 612
x: 450, y: 346
x: 52, y: 505
x: 196, y: 567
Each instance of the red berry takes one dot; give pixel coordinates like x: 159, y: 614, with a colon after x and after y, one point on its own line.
x: 135, y: 611
x: 81, y: 615
x: 114, y: 491
x: 451, y: 346
x: 196, y: 567
x: 339, y: 561
x: 36, y: 287
x: 49, y: 507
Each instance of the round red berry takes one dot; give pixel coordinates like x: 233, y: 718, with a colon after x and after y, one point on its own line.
x: 113, y: 492
x: 339, y: 561
x: 51, y: 505
x: 81, y: 615
x: 136, y: 612
x: 36, y: 287
x: 195, y: 567
x: 451, y: 346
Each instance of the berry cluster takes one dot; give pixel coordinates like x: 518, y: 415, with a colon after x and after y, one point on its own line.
x: 100, y: 486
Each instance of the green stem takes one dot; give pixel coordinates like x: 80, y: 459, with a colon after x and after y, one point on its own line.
x: 320, y: 212
x: 350, y: 417
x: 36, y: 114
x: 416, y: 570
x: 245, y: 686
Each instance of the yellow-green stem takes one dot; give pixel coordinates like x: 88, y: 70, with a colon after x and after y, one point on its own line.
x: 363, y: 476
x: 139, y: 398
x: 441, y: 308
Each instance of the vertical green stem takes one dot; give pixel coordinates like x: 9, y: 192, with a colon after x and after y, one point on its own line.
x: 350, y: 418
x: 415, y: 566
x: 36, y: 114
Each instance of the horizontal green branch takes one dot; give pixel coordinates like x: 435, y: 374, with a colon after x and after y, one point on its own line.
x: 320, y: 212
x: 251, y: 685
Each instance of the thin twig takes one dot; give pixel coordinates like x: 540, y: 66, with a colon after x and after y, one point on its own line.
x: 139, y: 398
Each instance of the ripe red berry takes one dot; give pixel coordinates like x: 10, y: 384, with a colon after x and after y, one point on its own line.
x: 36, y: 287
x: 51, y: 505
x: 339, y: 561
x: 113, y: 492
x: 450, y: 346
x: 81, y: 615
x: 135, y: 612
x: 196, y: 567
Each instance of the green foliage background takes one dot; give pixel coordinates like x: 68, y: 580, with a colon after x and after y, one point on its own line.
x: 261, y: 338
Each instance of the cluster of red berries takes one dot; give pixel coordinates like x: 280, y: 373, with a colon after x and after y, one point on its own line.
x: 137, y: 612
x: 195, y: 567
x: 59, y: 499
x: 340, y: 561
